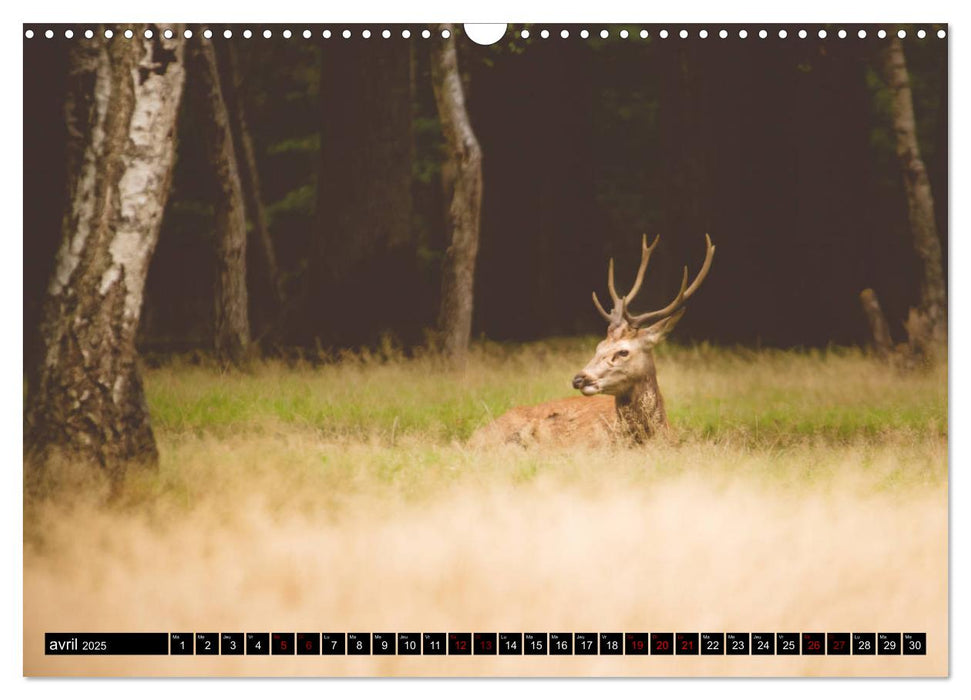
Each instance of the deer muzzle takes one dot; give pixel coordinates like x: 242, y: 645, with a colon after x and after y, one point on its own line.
x: 586, y: 384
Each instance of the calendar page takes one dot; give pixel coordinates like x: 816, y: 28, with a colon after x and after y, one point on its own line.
x: 583, y: 350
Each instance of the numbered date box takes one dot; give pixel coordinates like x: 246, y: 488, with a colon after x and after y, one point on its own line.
x: 713, y: 643
x: 257, y: 643
x: 409, y: 644
x: 433, y: 644
x: 585, y: 644
x: 637, y: 643
x: 510, y: 643
x: 383, y: 644
x: 888, y: 643
x: 686, y: 643
x: 662, y: 643
x: 231, y: 643
x: 358, y: 644
x: 787, y: 644
x: 737, y: 643
x: 282, y: 643
x: 180, y: 643
x: 308, y: 643
x: 915, y: 643
x: 485, y: 643
x: 763, y: 644
x: 838, y: 643
x: 333, y: 643
x: 535, y: 643
x: 459, y: 643
x: 864, y: 643
x: 611, y: 643
x: 207, y: 643
x: 561, y: 643
x: 813, y: 643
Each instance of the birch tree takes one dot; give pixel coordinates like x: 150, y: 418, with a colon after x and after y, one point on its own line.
x: 85, y: 402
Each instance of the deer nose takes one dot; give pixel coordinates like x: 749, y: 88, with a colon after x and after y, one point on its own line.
x: 580, y: 380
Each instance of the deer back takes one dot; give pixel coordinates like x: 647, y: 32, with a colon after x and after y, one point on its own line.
x: 570, y: 421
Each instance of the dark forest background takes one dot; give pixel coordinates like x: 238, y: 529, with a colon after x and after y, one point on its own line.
x: 781, y: 150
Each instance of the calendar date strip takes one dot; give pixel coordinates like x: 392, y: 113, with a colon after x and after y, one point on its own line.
x: 486, y: 643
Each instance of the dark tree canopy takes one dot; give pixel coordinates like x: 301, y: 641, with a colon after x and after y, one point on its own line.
x: 782, y: 151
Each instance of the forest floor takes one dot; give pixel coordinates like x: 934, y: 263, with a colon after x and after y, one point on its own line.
x: 798, y: 491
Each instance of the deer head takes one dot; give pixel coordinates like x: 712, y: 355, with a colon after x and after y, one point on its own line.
x: 624, y: 362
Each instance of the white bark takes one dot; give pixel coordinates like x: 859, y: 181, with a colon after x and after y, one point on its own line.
x: 69, y: 255
x: 84, y: 395
x: 144, y: 187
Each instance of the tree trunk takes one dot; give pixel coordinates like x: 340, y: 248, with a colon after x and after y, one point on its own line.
x: 231, y: 335
x: 249, y: 173
x: 85, y: 402
x: 465, y: 156
x: 879, y: 330
x: 920, y: 202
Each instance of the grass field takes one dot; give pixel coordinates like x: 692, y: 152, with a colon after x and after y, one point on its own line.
x: 797, y: 491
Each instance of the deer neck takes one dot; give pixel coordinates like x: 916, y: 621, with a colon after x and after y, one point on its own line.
x: 640, y: 411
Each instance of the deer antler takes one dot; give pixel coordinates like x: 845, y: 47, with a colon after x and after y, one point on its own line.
x: 620, y: 313
x: 638, y: 320
x: 620, y: 303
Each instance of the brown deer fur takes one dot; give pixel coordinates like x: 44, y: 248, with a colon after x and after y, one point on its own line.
x: 622, y: 367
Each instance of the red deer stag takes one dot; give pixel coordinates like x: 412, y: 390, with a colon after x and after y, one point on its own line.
x: 622, y: 368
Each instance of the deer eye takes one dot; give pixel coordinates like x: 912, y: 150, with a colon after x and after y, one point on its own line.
x: 621, y: 353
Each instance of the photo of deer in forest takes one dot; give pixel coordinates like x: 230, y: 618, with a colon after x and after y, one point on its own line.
x: 317, y: 337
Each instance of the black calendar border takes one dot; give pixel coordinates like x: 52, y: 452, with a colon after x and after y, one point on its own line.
x: 699, y: 644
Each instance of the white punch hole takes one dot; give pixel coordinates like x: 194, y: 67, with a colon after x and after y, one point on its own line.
x: 485, y: 34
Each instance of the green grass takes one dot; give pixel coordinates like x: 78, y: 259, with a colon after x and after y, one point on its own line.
x: 389, y: 426
x: 754, y: 398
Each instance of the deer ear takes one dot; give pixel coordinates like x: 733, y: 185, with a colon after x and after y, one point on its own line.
x: 654, y: 334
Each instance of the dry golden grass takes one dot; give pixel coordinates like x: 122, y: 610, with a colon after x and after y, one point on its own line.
x: 800, y: 492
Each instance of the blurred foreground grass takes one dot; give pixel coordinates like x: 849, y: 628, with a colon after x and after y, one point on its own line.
x: 386, y: 424
x: 349, y: 493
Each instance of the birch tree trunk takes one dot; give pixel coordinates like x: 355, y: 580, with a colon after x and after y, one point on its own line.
x: 465, y: 162
x: 85, y: 403
x: 920, y: 202
x: 231, y: 335
x: 249, y: 173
